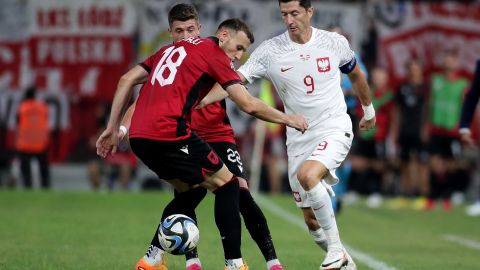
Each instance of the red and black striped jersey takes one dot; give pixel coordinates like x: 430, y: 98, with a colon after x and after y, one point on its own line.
x: 180, y: 74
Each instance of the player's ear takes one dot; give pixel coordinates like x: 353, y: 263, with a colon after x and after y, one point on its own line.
x: 223, y: 36
x: 310, y: 11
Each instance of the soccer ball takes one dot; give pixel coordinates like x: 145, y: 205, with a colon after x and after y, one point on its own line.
x: 178, y: 234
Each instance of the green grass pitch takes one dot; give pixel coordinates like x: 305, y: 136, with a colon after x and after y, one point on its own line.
x: 69, y: 230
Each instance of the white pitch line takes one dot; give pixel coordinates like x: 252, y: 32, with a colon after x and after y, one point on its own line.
x: 357, y: 254
x: 462, y: 241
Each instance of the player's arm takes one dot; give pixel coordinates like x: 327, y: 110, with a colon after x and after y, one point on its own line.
x: 255, y: 107
x: 362, y: 90
x: 108, y: 140
x: 217, y: 93
x: 126, y: 121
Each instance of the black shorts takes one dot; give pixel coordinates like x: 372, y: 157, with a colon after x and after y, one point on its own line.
x: 410, y: 146
x: 187, y: 160
x: 442, y: 146
x: 368, y: 148
x: 229, y: 154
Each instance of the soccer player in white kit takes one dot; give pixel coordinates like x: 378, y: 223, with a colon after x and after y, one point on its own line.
x: 304, y: 64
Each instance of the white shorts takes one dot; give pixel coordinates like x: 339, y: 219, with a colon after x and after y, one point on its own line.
x: 330, y: 150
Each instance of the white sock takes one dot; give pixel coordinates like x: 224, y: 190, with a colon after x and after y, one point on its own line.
x: 320, y: 238
x: 272, y: 263
x: 322, y: 208
x: 154, y: 255
x: 234, y: 264
x: 193, y: 261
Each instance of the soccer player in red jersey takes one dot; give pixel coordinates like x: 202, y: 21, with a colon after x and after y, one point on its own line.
x: 212, y: 124
x: 174, y: 79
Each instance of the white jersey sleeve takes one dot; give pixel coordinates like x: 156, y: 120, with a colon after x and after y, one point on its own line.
x: 345, y: 54
x: 257, y: 64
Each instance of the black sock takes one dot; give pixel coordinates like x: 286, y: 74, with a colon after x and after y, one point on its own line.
x: 227, y: 218
x: 183, y: 203
x: 192, y: 198
x: 256, y: 224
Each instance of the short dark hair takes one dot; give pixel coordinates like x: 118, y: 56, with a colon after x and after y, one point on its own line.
x: 237, y: 25
x: 182, y: 12
x: 303, y: 3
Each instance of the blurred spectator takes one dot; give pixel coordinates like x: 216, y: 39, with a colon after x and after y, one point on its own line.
x: 120, y: 167
x: 6, y: 178
x: 409, y: 131
x: 95, y: 165
x: 469, y: 106
x: 447, y: 90
x: 274, y: 152
x: 33, y: 138
x: 369, y: 147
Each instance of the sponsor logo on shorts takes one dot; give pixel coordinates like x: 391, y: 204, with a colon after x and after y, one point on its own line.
x: 184, y: 149
x: 315, y: 209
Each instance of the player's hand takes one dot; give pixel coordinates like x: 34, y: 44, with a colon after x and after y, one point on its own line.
x: 200, y: 105
x: 107, y: 142
x: 367, y: 124
x: 467, y: 140
x: 297, y: 122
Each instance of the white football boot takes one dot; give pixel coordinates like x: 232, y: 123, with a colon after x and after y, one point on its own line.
x: 351, y: 264
x: 322, y: 243
x: 335, y: 259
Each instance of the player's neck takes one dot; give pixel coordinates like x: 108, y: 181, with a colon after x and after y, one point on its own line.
x: 304, y: 37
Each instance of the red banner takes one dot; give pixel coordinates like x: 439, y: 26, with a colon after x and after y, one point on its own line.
x: 83, y: 46
x: 10, y: 59
x: 88, y: 65
x: 423, y: 30
x: 75, y: 53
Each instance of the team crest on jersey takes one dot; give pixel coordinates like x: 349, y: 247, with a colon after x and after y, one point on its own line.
x: 304, y: 57
x: 323, y: 64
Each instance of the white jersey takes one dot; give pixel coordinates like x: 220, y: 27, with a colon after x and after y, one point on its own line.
x: 307, y: 79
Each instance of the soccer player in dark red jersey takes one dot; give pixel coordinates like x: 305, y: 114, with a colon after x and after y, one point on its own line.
x: 212, y: 125
x: 174, y: 79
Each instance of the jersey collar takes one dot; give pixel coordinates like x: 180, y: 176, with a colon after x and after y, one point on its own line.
x: 310, y: 41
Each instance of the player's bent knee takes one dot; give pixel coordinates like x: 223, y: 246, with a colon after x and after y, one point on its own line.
x: 218, y: 179
x: 311, y: 173
x: 308, y: 179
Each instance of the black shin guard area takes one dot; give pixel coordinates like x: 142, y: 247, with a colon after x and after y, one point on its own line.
x: 183, y: 203
x: 256, y: 224
x: 227, y: 218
